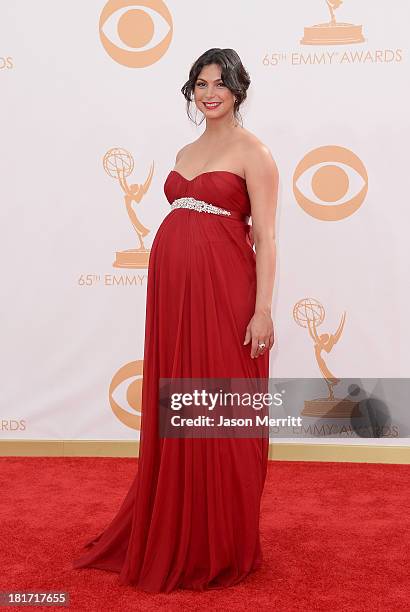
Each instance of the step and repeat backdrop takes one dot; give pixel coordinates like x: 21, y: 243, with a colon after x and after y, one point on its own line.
x: 91, y: 119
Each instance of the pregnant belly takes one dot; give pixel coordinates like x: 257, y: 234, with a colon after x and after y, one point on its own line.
x: 203, y: 271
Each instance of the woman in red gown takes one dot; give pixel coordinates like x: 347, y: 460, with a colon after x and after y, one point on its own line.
x: 191, y: 516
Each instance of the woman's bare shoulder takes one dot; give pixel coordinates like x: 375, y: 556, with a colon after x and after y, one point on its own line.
x: 258, y: 156
x: 252, y: 144
x: 182, y: 150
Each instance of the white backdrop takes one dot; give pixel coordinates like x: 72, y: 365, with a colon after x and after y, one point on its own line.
x: 71, y: 320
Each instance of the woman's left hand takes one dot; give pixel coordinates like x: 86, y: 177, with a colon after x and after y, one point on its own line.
x: 260, y: 330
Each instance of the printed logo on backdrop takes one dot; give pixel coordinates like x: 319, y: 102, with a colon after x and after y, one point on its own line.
x: 330, y: 183
x: 125, y: 394
x: 135, y: 34
x: 336, y: 34
x: 340, y: 407
x: 119, y: 164
x: 359, y: 408
x: 310, y: 314
x: 6, y: 62
x: 12, y: 425
x: 332, y: 32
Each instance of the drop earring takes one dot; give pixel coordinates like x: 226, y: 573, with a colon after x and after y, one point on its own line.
x: 196, y: 112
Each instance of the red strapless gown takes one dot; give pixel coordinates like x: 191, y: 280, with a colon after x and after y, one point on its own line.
x: 191, y: 516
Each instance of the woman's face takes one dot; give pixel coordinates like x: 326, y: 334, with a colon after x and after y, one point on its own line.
x: 210, y: 88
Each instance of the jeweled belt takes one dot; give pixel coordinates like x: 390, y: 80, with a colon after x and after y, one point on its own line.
x: 202, y: 206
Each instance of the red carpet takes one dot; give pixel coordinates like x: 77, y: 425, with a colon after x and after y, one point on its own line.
x: 336, y: 536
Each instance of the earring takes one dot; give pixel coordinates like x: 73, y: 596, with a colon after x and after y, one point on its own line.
x: 196, y: 112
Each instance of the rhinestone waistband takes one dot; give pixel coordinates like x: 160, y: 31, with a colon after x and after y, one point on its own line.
x: 202, y: 206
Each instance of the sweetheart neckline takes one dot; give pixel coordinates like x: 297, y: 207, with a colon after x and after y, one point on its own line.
x: 209, y: 172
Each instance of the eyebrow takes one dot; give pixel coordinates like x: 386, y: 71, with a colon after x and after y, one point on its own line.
x: 201, y: 79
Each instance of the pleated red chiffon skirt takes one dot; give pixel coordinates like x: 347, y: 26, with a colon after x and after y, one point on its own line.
x: 190, y: 518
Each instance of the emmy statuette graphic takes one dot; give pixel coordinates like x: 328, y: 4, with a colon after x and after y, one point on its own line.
x: 333, y: 33
x: 119, y: 163
x: 309, y: 313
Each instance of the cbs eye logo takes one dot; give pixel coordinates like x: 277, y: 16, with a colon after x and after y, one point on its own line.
x: 125, y: 394
x: 135, y: 34
x: 338, y: 174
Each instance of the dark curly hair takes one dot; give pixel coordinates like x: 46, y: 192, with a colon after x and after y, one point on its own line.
x: 233, y: 75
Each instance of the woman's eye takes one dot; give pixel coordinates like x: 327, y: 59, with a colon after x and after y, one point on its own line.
x: 200, y: 84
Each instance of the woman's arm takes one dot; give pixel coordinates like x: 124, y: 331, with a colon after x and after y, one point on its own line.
x: 262, y: 179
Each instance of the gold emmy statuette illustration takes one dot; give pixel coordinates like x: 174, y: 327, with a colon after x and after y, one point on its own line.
x: 333, y: 33
x: 309, y: 313
x: 119, y: 163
